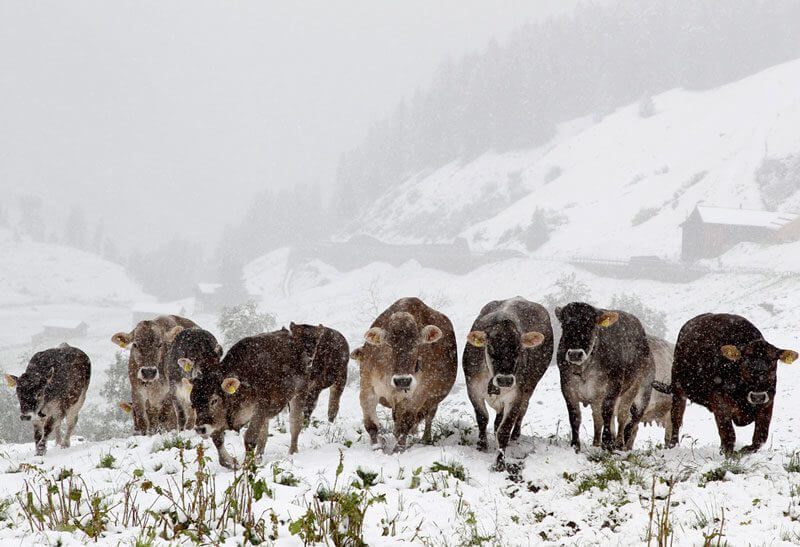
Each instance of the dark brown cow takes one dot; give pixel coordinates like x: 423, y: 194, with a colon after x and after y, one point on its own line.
x: 256, y: 379
x: 52, y: 389
x: 508, y: 351
x: 149, y: 343
x: 605, y: 361
x: 723, y: 363
x: 192, y: 352
x: 328, y: 367
x: 409, y: 364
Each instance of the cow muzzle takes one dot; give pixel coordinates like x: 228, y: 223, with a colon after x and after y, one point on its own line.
x: 576, y: 356
x: 402, y: 381
x: 758, y: 397
x: 148, y: 374
x: 504, y: 380
x: 204, y: 430
x: 27, y: 417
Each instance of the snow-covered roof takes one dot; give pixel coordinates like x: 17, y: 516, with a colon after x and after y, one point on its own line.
x: 71, y: 324
x: 208, y: 288
x: 772, y: 220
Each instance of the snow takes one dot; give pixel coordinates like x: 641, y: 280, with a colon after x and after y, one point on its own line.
x: 773, y: 220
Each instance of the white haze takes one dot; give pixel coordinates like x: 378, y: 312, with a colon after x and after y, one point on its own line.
x: 164, y: 118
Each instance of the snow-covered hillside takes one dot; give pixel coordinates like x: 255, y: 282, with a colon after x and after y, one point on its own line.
x: 600, y: 176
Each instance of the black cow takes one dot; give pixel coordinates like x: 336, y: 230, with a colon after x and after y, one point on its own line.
x: 52, y: 388
x: 605, y: 361
x: 509, y: 348
x: 723, y: 363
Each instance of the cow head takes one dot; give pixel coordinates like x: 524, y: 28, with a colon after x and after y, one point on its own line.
x: 308, y: 337
x: 148, y: 344
x: 403, y: 345
x: 195, y: 350
x: 213, y: 397
x: 504, y: 346
x: 581, y: 325
x: 757, y: 364
x: 31, y: 386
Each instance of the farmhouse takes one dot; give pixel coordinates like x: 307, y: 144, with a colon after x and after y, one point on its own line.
x: 710, y: 231
x: 59, y: 330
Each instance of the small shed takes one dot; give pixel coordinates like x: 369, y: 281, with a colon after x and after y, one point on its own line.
x: 709, y: 231
x: 59, y: 330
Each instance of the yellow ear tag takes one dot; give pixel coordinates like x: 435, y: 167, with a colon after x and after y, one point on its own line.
x: 230, y: 386
x: 10, y: 381
x: 126, y: 408
x: 186, y: 364
x: 606, y: 322
x: 789, y: 356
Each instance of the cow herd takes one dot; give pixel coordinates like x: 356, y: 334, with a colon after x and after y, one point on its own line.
x: 182, y: 379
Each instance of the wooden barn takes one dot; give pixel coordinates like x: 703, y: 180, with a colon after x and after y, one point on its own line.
x: 710, y: 231
x: 59, y: 330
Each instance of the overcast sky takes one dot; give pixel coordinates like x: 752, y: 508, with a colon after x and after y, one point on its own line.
x: 166, y: 117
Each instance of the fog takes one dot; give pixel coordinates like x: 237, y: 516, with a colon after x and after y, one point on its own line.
x: 167, y: 118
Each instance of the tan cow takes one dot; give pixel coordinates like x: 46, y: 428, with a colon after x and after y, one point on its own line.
x: 149, y: 343
x: 409, y: 364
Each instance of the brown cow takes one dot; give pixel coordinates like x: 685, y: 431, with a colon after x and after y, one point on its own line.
x: 256, y: 379
x: 52, y: 389
x: 149, y: 343
x: 409, y: 364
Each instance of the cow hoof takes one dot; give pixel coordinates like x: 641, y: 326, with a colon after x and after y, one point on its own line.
x: 482, y: 445
x: 749, y: 449
x: 576, y: 447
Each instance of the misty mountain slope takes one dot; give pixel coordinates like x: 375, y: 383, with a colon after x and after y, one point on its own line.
x: 595, y: 181
x: 45, y: 273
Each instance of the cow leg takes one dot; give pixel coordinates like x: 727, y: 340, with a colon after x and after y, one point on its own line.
x: 141, y: 421
x: 761, y: 431
x: 597, y: 422
x: 334, y: 396
x: 72, y: 419
x: 262, y: 438
x: 295, y: 420
x: 667, y: 428
x: 510, y: 415
x: 574, y: 413
x: 180, y: 414
x: 225, y: 459
x: 609, y: 403
x: 481, y: 415
x: 632, y: 427
x: 517, y: 431
x: 310, y: 403
x: 41, y: 433
x: 254, y: 434
x: 369, y: 406
x: 57, y: 431
x: 727, y: 435
x: 427, y: 435
x: 676, y: 415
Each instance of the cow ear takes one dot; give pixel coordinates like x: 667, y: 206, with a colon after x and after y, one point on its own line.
x: 172, y: 333
x: 532, y: 339
x: 122, y: 339
x: 218, y: 350
x: 430, y: 334
x: 11, y: 380
x: 187, y: 384
x: 607, y: 318
x: 186, y: 364
x: 788, y: 356
x: 375, y: 336
x: 730, y: 352
x: 230, y: 385
x: 558, y: 312
x: 477, y: 338
x: 357, y: 354
x: 126, y: 407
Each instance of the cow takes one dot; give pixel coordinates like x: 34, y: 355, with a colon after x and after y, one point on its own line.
x: 508, y: 351
x: 256, y: 379
x: 659, y: 408
x: 723, y: 363
x: 52, y: 389
x: 192, y: 352
x: 149, y: 344
x: 329, y: 354
x: 604, y: 361
x: 409, y: 364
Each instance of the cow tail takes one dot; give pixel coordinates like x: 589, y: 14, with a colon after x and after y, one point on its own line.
x: 662, y: 387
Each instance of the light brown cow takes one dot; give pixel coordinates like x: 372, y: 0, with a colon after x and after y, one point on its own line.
x: 149, y: 343
x: 409, y: 364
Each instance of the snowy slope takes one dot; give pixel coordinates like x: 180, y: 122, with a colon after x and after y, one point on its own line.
x: 698, y: 146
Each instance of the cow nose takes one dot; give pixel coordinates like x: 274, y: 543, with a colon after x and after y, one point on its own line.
x: 202, y: 429
x: 576, y: 356
x: 757, y: 397
x: 148, y: 373
x: 402, y: 381
x: 504, y: 380
x: 25, y: 417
